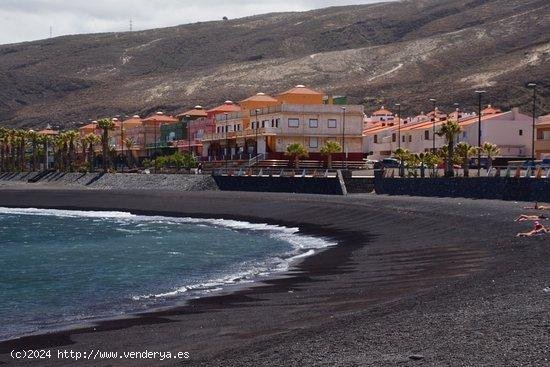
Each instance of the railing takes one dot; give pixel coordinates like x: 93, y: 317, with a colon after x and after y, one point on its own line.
x: 255, y: 160
x: 495, y: 171
x: 275, y: 172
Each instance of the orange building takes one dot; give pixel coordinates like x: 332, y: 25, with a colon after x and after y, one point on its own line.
x: 151, y: 131
x: 301, y: 95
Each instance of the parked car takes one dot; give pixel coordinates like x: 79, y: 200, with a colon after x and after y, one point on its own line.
x: 484, y: 163
x: 387, y: 163
x: 442, y: 166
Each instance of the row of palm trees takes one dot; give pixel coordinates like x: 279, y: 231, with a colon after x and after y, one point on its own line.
x: 25, y: 150
x: 297, y: 151
x: 451, y: 154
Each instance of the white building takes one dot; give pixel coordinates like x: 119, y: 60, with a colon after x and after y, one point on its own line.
x: 511, y: 131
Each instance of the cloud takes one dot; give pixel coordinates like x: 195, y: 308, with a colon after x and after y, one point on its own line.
x: 31, y: 19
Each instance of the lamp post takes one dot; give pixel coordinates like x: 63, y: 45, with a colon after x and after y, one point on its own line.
x: 344, y: 135
x: 226, y: 141
x: 256, y: 130
x: 534, y: 86
x: 479, y: 93
x: 398, y: 105
x: 433, y: 132
x: 122, y: 143
x: 155, y: 136
x: 433, y: 125
x: 188, y: 118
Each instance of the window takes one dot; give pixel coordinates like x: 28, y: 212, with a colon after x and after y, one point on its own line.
x: 410, y: 138
x: 464, y: 135
x: 293, y: 123
x: 393, y: 137
x: 313, y: 143
x: 376, y: 139
x: 313, y: 123
x: 332, y: 123
x: 403, y: 138
x: 263, y: 124
x: 277, y: 122
x: 426, y: 134
x: 520, y: 132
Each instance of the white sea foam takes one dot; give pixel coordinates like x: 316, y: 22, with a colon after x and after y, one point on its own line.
x: 302, y: 245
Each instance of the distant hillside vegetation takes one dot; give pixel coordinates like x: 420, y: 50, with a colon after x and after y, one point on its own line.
x: 407, y: 51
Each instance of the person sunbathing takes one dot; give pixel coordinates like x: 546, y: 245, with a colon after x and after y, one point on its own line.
x: 524, y: 217
x: 538, y: 230
x: 537, y: 207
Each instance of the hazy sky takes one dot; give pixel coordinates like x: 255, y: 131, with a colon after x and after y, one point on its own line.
x: 26, y: 20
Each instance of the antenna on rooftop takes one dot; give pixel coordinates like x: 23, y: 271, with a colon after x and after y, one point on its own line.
x: 131, y: 24
x: 51, y: 31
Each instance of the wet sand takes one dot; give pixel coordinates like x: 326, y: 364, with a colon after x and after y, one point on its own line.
x: 414, y: 281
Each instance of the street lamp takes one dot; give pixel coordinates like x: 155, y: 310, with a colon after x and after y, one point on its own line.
x: 457, y: 109
x: 398, y: 105
x: 226, y: 141
x: 344, y: 135
x: 256, y: 130
x: 188, y: 118
x: 122, y: 143
x: 534, y: 86
x: 479, y: 93
x: 433, y: 125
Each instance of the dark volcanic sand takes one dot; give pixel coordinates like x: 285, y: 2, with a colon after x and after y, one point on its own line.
x: 444, y: 280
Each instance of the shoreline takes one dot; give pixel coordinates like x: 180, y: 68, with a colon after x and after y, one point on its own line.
x: 412, y: 276
x: 182, y: 302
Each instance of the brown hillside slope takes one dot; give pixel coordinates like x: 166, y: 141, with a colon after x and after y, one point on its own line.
x: 405, y: 51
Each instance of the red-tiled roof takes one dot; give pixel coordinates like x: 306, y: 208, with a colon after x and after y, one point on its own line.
x: 160, y: 117
x: 196, y: 112
x: 228, y: 106
x: 260, y: 97
x: 301, y: 89
x: 490, y: 110
x: 382, y: 112
x: 48, y: 132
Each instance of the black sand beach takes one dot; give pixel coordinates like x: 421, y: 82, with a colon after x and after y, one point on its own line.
x: 414, y: 281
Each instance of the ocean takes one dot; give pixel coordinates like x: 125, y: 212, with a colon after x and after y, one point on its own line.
x: 60, y: 268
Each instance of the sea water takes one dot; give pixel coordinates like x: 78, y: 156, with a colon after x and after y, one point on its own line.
x: 59, y: 268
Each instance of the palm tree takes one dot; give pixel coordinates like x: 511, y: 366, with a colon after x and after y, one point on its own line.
x: 34, y: 138
x: 91, y: 140
x: 46, y: 142
x: 71, y: 137
x: 3, y: 147
x: 21, y: 136
x: 105, y: 124
x: 490, y: 150
x: 402, y: 155
x: 59, y: 148
x: 449, y: 130
x: 465, y: 151
x: 331, y: 147
x: 296, y: 151
x: 129, y: 145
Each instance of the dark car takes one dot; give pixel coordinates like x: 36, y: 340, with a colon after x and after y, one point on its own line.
x: 387, y: 163
x: 484, y: 163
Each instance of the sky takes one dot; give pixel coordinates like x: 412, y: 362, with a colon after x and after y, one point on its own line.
x: 27, y: 20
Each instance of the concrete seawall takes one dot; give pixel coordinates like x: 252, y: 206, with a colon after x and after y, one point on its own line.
x: 305, y: 185
x: 517, y: 189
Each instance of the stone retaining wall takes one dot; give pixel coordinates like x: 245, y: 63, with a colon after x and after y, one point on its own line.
x: 113, y: 181
x: 502, y: 188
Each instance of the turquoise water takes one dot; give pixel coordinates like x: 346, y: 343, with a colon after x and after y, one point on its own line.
x: 59, y: 268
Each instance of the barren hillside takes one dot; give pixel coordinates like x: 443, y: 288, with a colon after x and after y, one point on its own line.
x: 406, y: 51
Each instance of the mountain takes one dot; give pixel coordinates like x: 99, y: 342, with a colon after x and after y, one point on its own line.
x: 406, y: 51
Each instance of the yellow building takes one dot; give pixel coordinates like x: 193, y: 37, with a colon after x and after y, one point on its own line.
x: 542, y: 143
x: 267, y: 125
